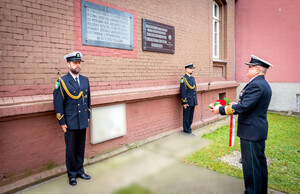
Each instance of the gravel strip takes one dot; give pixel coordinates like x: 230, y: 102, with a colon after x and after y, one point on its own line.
x: 233, y: 159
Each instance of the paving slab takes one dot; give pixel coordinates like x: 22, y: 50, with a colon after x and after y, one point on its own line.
x: 158, y: 166
x: 181, y: 177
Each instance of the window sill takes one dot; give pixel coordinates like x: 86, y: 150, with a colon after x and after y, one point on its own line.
x: 219, y: 61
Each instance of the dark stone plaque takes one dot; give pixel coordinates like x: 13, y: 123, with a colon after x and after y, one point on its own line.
x: 158, y: 37
x: 106, y: 27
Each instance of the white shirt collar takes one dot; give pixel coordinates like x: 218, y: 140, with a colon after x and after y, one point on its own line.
x: 78, y: 81
x: 188, y: 75
x: 74, y: 76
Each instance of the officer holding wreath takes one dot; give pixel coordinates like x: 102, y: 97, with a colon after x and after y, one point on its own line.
x: 252, y: 109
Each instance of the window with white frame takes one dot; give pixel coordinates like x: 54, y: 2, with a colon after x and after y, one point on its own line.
x: 216, y: 30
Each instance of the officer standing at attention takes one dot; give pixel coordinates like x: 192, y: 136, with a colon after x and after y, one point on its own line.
x: 188, y: 92
x: 252, y: 108
x: 72, y: 102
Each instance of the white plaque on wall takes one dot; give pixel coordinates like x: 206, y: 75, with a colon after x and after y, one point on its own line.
x: 108, y: 122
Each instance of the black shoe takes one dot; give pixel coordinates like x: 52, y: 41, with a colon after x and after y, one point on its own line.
x: 191, y: 134
x: 84, y: 176
x: 72, y: 181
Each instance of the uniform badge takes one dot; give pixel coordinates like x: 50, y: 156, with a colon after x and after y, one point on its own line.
x: 59, y: 116
x: 56, y: 85
x: 85, y: 96
x: 182, y: 81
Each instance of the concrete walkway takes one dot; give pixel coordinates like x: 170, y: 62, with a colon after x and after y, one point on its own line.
x: 158, y: 166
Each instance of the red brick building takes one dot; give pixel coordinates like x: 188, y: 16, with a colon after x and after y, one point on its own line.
x: 36, y: 34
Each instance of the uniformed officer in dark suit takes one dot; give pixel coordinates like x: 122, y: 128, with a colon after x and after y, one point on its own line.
x: 72, y: 102
x: 188, y: 92
x: 252, y: 108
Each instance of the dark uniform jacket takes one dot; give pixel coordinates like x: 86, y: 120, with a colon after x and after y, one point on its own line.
x: 71, y: 102
x: 252, y: 108
x: 188, y: 90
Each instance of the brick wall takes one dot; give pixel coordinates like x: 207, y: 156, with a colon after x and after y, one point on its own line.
x: 33, y: 37
x: 29, y: 145
x: 34, y: 143
x: 36, y: 34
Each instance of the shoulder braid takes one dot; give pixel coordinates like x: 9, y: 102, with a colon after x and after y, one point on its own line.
x: 187, y: 84
x: 68, y: 93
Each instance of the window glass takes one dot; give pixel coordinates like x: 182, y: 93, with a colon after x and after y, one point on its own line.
x: 216, y: 23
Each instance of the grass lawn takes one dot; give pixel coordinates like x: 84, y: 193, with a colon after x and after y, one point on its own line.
x: 282, y: 147
x: 134, y: 189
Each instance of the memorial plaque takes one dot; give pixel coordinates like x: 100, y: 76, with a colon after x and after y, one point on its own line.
x: 158, y: 37
x: 106, y: 27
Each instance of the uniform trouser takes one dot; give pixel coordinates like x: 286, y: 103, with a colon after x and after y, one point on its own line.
x: 75, y: 145
x: 188, y: 115
x: 254, y: 166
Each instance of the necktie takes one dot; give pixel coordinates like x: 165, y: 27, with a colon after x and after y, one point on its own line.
x: 76, y: 79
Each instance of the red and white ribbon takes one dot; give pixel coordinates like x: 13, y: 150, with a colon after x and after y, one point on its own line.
x: 232, y: 130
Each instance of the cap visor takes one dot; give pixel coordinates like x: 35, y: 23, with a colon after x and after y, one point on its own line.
x: 250, y: 64
x: 74, y: 60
